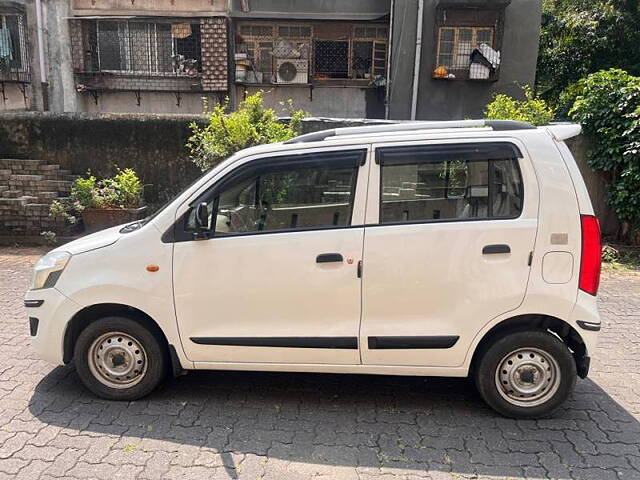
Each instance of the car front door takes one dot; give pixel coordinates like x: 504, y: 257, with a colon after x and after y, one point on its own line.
x: 273, y: 278
x: 447, y: 250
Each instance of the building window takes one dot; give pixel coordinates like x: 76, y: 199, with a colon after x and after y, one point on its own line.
x: 14, y: 60
x: 331, y: 59
x: 455, y: 45
x: 148, y: 48
x: 342, y: 52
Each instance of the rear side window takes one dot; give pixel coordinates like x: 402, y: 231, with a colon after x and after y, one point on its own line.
x: 450, y: 182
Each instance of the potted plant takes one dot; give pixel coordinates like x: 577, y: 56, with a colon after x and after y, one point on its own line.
x: 102, y: 203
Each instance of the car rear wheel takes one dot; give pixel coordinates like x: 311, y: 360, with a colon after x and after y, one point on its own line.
x: 118, y: 358
x: 525, y: 374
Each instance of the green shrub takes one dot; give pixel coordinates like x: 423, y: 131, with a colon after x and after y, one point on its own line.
x: 579, y: 37
x: 532, y: 109
x: 608, y: 107
x: 252, y: 124
x: 124, y: 190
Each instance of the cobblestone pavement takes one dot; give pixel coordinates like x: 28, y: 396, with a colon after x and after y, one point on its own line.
x: 279, y: 426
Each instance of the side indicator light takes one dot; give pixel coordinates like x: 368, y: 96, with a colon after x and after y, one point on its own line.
x: 153, y: 268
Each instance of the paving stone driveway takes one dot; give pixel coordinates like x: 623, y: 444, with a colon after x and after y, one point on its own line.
x: 280, y: 426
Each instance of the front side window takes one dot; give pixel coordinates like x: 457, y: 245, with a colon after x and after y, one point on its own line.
x: 307, y: 191
x: 450, y: 182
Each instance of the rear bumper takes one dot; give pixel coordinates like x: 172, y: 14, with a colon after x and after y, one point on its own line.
x: 586, y: 320
x: 49, y: 312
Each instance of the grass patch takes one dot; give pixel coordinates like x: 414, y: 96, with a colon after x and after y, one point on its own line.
x: 621, y: 258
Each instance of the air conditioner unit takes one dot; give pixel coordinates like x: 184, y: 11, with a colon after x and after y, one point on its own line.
x: 292, y: 70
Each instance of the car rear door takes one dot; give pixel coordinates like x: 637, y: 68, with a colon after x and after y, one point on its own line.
x: 447, y: 247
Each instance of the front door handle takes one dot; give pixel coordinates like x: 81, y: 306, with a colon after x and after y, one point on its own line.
x: 493, y: 249
x: 328, y: 258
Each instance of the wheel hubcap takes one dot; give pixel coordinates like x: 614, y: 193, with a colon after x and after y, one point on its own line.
x: 528, y: 377
x: 117, y: 360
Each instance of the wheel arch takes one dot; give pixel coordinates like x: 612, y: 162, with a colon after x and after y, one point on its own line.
x: 559, y: 327
x: 92, y: 313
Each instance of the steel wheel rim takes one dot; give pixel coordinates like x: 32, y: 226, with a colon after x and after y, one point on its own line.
x: 527, y: 377
x: 117, y: 360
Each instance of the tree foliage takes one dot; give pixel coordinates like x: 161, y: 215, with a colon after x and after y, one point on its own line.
x: 607, y: 105
x: 251, y: 124
x: 580, y: 37
x: 532, y: 109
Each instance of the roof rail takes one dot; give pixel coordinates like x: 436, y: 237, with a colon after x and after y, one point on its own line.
x: 497, y: 125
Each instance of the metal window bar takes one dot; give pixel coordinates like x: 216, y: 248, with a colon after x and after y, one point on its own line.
x: 455, y: 45
x: 15, y: 66
x: 361, y: 55
x: 142, y: 48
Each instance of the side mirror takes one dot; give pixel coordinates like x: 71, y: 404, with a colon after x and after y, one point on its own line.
x: 202, y: 221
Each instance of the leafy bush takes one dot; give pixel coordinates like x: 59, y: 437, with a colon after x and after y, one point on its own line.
x: 579, y: 37
x: 124, y: 190
x: 252, y: 124
x: 608, y: 107
x: 532, y: 109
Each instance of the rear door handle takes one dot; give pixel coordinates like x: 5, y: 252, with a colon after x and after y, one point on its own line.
x: 493, y: 249
x: 328, y: 258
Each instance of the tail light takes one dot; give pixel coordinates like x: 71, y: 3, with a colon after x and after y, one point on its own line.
x: 591, y: 257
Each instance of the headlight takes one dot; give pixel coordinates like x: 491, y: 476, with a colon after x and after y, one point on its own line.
x: 48, y: 269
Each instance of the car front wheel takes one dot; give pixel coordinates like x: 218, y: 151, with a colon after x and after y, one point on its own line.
x: 118, y: 358
x: 526, y: 374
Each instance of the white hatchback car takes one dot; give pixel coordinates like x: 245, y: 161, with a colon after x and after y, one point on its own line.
x: 431, y: 248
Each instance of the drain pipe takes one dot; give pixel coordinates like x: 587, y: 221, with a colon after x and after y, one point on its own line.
x: 416, y: 65
x: 387, y: 95
x: 43, y: 71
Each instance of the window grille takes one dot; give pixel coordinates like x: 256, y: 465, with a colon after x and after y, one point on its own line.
x: 455, y: 45
x: 144, y: 48
x: 331, y: 59
x: 14, y: 52
x: 361, y: 54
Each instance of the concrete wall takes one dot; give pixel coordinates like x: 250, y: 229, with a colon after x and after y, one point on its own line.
x: 459, y: 99
x: 177, y: 8
x: 13, y: 98
x: 150, y: 102
x: 339, y: 102
x: 153, y: 145
x: 319, y: 9
x: 597, y: 184
x: 61, y: 92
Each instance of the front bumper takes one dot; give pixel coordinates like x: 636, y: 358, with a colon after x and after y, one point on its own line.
x: 49, y: 312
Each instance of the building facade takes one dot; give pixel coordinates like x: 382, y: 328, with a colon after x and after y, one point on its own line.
x: 396, y: 59
x: 329, y: 62
x: 433, y: 75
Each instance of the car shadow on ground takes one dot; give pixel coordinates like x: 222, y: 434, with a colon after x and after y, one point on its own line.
x: 369, y: 422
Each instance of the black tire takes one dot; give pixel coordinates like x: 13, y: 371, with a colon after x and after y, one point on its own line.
x: 498, y: 353
x: 154, y: 358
